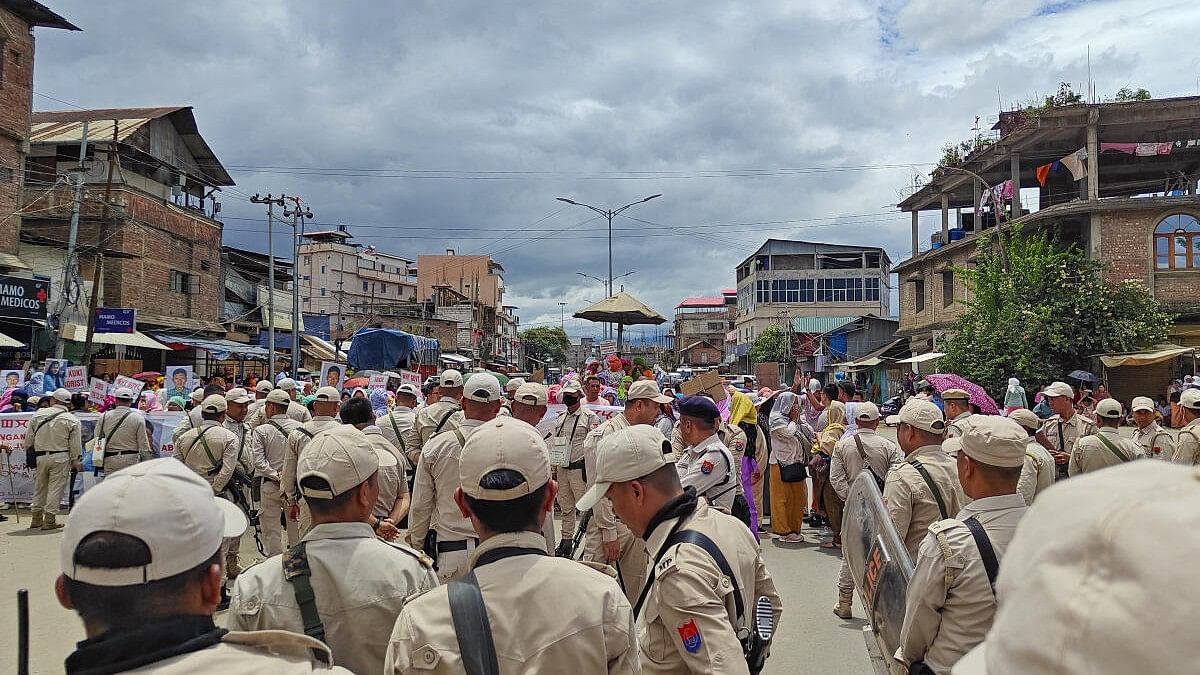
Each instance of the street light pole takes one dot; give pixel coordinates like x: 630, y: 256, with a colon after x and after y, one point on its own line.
x: 271, y: 203
x: 562, y: 316
x: 297, y: 215
x: 607, y: 288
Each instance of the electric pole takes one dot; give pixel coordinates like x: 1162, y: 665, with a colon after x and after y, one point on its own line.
x: 562, y: 316
x: 71, y: 268
x: 297, y: 215
x: 114, y: 158
x: 271, y: 203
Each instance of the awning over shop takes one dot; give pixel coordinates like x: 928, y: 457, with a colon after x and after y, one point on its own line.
x: 922, y: 358
x: 317, y: 348
x: 1163, y: 353
x: 873, y: 358
x: 78, y: 333
x: 220, y: 349
x: 179, y: 323
x: 455, y: 358
x: 10, y: 343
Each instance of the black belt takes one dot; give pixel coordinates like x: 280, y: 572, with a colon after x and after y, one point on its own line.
x: 121, y: 452
x: 48, y: 452
x: 448, y: 546
x: 576, y: 466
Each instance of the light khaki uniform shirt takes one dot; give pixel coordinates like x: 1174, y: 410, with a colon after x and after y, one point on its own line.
x: 575, y: 427
x: 393, y: 425
x: 950, y: 601
x: 257, y: 415
x: 61, y: 434
x: 908, y: 498
x: 129, y: 436
x: 1037, y: 473
x: 733, y: 438
x: 251, y: 463
x: 360, y: 582
x: 269, y: 442
x: 581, y: 621
x: 846, y: 462
x: 1091, y: 454
x: 220, y: 443
x: 191, y: 420
x: 954, y: 428
x: 1156, y: 441
x: 392, y: 482
x: 426, y: 422
x: 1187, y: 444
x: 265, y: 651
x: 688, y: 623
x: 708, y: 467
x: 1072, y: 430
x: 295, y: 445
x: 604, y: 520
x: 433, y: 506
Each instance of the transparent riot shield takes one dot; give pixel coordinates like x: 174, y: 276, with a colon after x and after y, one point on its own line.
x: 878, y: 560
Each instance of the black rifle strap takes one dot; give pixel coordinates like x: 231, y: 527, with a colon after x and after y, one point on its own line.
x: 299, y: 574
x: 937, y: 494
x: 445, y: 418
x: 471, y: 625
x: 713, y: 551
x: 985, y: 550
x: 1111, y: 448
x: 862, y: 454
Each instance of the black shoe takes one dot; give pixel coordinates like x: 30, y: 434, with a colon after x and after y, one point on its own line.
x: 3, y: 518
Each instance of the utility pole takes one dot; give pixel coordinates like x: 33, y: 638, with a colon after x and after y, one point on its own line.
x: 562, y: 316
x: 271, y: 203
x: 297, y: 217
x: 71, y: 268
x: 114, y: 157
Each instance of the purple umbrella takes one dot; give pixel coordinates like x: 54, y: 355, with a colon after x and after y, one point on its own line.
x: 942, y: 382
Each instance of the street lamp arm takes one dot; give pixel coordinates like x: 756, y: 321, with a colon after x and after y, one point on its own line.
x: 640, y: 201
x: 586, y: 206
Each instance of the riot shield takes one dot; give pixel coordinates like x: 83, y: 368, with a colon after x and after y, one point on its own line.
x: 878, y: 560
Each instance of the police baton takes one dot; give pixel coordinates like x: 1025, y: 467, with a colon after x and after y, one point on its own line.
x: 23, y: 632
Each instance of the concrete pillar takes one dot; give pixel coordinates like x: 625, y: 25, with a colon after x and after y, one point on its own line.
x: 945, y: 218
x: 1093, y: 149
x: 1014, y: 165
x: 977, y: 190
x: 915, y: 238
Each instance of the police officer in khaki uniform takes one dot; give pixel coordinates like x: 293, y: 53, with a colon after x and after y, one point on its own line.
x: 399, y: 420
x: 256, y: 414
x: 212, y: 451
x: 237, y: 405
x: 707, y: 464
x: 529, y: 404
x: 609, y: 540
x: 924, y: 488
x: 123, y: 429
x: 571, y: 428
x: 507, y: 493
x: 1062, y: 431
x: 444, y: 415
x: 1106, y: 447
x: 510, y: 392
x: 54, y: 436
x: 1187, y: 443
x: 691, y: 612
x: 957, y: 410
x: 863, y: 450
x: 433, y: 506
x: 325, y: 406
x: 951, y: 596
x: 268, y: 444
x: 1156, y: 441
x: 146, y: 588
x: 393, y: 502
x: 193, y: 418
x: 1038, y: 472
x: 356, y: 582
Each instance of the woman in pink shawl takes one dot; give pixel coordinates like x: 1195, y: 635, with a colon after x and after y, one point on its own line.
x: 149, y: 402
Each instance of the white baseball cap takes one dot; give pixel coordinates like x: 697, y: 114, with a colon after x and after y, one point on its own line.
x: 287, y: 384
x: 279, y: 396
x: 480, y: 387
x: 991, y: 440
x: 452, y: 378
x: 1086, y: 564
x: 647, y: 389
x: 1188, y: 399
x: 1026, y: 418
x: 921, y: 414
x: 328, y: 394
x: 626, y: 455
x: 344, y: 457
x: 532, y: 393
x: 514, y: 384
x: 572, y: 387
x: 1059, y: 389
x: 866, y: 411
x: 238, y: 395
x: 198, y: 394
x: 409, y: 389
x: 166, y: 506
x: 264, y: 386
x: 503, y: 443
x: 1142, y: 403
x: 62, y: 395
x: 214, y: 404
x: 123, y: 394
x: 1109, y: 408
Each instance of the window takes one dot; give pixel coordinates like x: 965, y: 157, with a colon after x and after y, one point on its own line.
x: 366, y: 286
x: 808, y: 290
x: 762, y: 291
x: 182, y: 282
x: 871, y: 290
x: 947, y: 288
x: 763, y: 262
x: 322, y: 292
x: 716, y: 326
x: 6, y: 174
x: 322, y: 269
x: 383, y: 288
x: 785, y: 290
x: 919, y: 295
x: 1177, y: 243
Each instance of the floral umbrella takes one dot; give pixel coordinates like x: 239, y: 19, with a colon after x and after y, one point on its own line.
x: 985, y: 403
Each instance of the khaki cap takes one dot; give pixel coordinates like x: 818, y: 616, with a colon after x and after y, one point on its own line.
x: 279, y: 396
x: 503, y: 443
x: 1026, y: 418
x: 238, y: 395
x: 62, y: 395
x: 647, y: 389
x: 921, y: 414
x: 514, y: 384
x: 263, y: 386
x: 342, y: 456
x: 482, y: 388
x: 123, y: 394
x: 1086, y: 564
x: 214, y: 404
x: 1142, y: 403
x: 626, y: 455
x: 1190, y: 398
x: 198, y: 394
x: 328, y: 394
x: 166, y: 506
x: 991, y: 440
x: 287, y: 384
x: 866, y: 411
x: 1109, y: 408
x: 532, y: 393
x: 451, y: 378
x: 1059, y: 389
x: 409, y: 389
x: 955, y: 395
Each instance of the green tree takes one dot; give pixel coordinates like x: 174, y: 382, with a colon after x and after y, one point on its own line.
x: 1130, y: 94
x: 1042, y: 310
x: 770, y: 346
x: 544, y: 342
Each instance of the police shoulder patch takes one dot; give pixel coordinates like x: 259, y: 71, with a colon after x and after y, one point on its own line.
x: 689, y: 634
x: 707, y: 467
x: 665, y: 565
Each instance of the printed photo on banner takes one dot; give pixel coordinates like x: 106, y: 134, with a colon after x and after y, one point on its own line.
x: 332, y: 375
x: 179, y: 382
x: 13, y: 378
x: 55, y: 375
x: 76, y: 379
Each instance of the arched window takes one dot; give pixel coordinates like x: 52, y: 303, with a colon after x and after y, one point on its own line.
x: 1177, y: 243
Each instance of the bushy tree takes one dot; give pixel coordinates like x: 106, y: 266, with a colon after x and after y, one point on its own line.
x: 1041, y: 310
x: 545, y: 342
x: 770, y: 346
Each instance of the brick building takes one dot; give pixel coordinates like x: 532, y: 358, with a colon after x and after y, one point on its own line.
x: 701, y: 353
x: 706, y: 320
x: 18, y: 18
x: 470, y: 289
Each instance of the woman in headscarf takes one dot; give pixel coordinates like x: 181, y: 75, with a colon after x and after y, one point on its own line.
x: 790, y: 445
x: 149, y: 402
x: 176, y: 404
x: 1014, y: 396
x: 623, y: 390
x: 379, y: 402
x: 743, y: 415
x: 835, y: 428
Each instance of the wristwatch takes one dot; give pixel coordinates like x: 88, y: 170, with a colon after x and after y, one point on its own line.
x: 378, y: 522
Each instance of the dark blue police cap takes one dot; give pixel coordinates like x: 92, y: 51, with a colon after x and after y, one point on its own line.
x: 700, y: 407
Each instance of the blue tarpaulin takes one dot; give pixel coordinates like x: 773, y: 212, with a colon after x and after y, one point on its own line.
x: 385, y: 349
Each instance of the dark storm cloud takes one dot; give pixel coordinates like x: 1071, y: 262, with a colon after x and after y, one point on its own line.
x: 581, y: 89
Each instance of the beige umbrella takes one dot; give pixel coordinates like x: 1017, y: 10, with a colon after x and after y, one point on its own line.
x: 622, y: 309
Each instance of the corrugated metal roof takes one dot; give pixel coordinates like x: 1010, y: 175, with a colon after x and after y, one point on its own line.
x: 820, y: 324
x: 701, y: 302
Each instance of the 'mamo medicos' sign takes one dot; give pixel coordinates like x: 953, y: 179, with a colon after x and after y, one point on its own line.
x: 23, y: 298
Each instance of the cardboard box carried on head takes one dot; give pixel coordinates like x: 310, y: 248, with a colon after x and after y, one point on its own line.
x: 711, y: 382
x: 538, y: 376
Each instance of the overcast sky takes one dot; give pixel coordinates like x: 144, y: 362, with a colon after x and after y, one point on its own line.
x: 793, y: 119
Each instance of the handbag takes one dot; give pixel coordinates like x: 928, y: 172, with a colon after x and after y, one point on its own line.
x: 793, y: 473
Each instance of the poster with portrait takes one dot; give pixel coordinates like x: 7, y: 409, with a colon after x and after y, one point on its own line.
x: 55, y: 376
x: 13, y: 379
x: 178, y: 381
x: 332, y: 375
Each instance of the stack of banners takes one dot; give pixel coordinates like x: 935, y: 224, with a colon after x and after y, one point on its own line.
x: 159, y: 425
